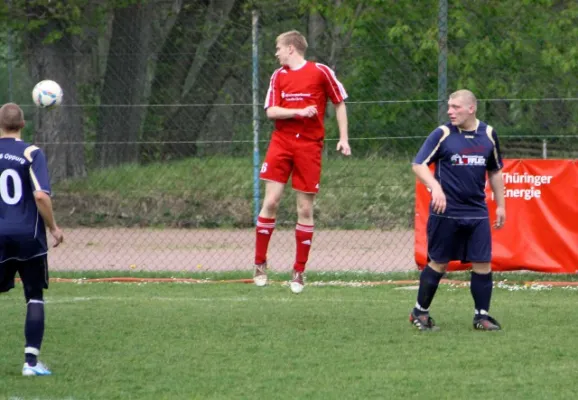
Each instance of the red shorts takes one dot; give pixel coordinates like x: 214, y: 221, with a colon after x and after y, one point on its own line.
x: 290, y: 154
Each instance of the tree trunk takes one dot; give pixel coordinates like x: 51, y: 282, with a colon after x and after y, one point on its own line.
x: 316, y: 30
x: 173, y: 64
x: 188, y: 122
x: 59, y: 131
x: 120, y: 115
x: 193, y: 66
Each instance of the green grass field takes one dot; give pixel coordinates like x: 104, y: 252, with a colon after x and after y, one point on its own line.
x: 217, y: 192
x: 237, y: 341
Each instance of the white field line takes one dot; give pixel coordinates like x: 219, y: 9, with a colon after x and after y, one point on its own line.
x: 37, y: 398
x: 213, y: 299
x: 300, y: 299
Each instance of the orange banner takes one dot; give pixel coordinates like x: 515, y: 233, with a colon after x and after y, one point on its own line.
x: 541, y: 230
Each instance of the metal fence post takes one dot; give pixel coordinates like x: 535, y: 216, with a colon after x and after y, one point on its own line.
x: 9, y: 61
x: 442, y: 60
x: 256, y: 196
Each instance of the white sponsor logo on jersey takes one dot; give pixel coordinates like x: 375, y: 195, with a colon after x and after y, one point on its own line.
x: 468, y: 160
x: 295, y: 96
x: 12, y: 157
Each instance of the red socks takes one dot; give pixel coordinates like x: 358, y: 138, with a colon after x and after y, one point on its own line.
x: 264, y: 230
x: 303, y: 238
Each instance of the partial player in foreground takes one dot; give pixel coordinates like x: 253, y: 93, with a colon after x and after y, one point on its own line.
x: 25, y: 212
x: 458, y: 227
x: 296, y: 100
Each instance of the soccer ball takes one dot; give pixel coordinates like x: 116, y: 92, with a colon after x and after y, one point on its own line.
x: 47, y: 94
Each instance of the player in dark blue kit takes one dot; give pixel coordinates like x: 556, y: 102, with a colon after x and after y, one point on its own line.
x: 458, y: 227
x: 25, y: 213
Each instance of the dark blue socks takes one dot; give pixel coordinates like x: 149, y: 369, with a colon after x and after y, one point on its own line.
x: 481, y: 288
x: 33, y: 330
x: 429, y: 281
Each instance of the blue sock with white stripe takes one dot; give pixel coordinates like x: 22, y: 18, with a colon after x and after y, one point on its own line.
x: 33, y: 330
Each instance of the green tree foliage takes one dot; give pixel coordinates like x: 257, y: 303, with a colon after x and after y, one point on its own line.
x: 516, y: 55
x: 519, y: 49
x: 48, y: 37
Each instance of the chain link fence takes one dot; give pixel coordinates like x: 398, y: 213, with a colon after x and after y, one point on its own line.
x: 152, y: 150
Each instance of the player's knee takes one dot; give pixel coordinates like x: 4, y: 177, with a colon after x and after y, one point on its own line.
x: 304, y: 210
x: 482, y: 268
x: 305, y: 207
x: 438, y: 267
x: 305, y: 214
x: 271, y: 204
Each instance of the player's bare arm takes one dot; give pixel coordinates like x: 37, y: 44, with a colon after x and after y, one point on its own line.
x: 341, y: 116
x: 438, y: 197
x: 287, y: 113
x: 44, y: 204
x: 497, y: 185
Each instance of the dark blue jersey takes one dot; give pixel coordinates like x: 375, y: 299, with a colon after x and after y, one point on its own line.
x: 462, y: 159
x: 23, y: 171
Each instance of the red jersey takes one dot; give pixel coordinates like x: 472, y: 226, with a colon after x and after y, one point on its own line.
x: 312, y: 84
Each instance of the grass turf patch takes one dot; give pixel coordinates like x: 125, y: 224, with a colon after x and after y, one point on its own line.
x: 312, y: 276
x: 151, y: 341
x: 217, y: 192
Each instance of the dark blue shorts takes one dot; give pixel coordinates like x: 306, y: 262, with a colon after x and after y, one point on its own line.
x: 32, y: 272
x: 465, y: 240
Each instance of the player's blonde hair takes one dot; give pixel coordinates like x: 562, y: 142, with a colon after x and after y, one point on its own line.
x: 467, y: 95
x: 295, y: 39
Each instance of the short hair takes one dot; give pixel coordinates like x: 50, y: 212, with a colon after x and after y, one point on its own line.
x: 295, y: 39
x: 466, y: 95
x: 11, y: 118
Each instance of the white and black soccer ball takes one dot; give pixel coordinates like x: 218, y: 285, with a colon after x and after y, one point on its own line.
x: 47, y: 94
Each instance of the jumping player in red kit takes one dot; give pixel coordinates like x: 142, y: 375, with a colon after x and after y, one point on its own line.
x: 296, y: 100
